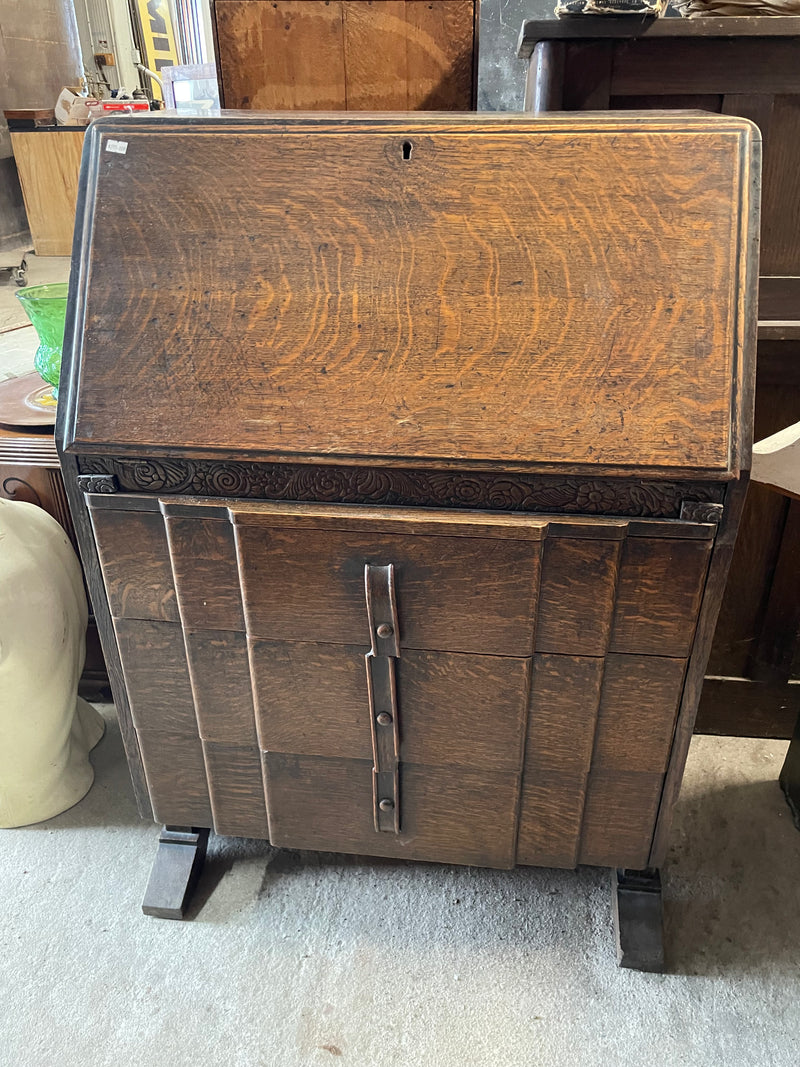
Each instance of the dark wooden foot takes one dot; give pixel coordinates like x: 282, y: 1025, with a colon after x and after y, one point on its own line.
x: 177, y: 866
x: 638, y: 919
x: 790, y: 776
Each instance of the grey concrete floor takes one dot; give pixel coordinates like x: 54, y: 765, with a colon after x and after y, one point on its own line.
x: 295, y: 958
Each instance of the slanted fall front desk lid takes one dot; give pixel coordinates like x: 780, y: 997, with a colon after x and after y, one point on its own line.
x: 482, y: 291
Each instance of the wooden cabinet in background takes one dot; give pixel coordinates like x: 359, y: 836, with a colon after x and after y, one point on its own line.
x: 48, y: 162
x: 354, y: 55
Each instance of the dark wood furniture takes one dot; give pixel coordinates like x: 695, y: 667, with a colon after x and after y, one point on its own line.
x: 348, y: 55
x: 736, y: 66
x: 412, y: 519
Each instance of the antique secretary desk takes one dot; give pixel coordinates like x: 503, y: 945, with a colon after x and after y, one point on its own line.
x: 406, y: 455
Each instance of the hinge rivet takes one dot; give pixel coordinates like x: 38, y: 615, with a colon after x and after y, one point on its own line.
x: 386, y: 804
x: 384, y: 630
x: 384, y: 718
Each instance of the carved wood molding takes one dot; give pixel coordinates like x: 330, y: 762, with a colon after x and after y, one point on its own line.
x: 98, y: 483
x: 422, y: 488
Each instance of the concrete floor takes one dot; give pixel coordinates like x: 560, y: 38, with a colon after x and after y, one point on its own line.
x: 295, y: 958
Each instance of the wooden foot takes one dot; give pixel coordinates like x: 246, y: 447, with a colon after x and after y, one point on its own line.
x: 638, y: 919
x: 790, y: 776
x: 177, y: 866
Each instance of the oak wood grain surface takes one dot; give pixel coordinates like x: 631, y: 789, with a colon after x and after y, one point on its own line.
x: 462, y: 594
x: 565, y: 695
x: 454, y: 709
x: 449, y: 814
x: 135, y: 563
x: 176, y: 779
x: 388, y: 307
x: 236, y: 789
x: 156, y: 676
x: 368, y: 55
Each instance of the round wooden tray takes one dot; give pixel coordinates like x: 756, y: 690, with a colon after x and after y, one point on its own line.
x: 26, y: 402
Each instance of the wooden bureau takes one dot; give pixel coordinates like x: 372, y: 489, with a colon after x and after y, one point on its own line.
x: 406, y: 455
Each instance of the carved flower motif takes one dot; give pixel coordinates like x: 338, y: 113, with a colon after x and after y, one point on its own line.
x: 594, y: 497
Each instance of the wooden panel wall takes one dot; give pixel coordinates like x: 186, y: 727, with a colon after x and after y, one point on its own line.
x: 358, y: 55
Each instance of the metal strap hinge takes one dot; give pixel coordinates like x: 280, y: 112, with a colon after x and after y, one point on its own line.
x: 382, y: 694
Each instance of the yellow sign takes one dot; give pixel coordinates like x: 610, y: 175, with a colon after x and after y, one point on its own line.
x: 158, y: 38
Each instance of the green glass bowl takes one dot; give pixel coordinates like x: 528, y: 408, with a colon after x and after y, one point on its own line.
x: 46, y: 307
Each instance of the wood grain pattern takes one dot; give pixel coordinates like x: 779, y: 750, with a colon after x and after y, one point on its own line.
x: 176, y: 779
x: 236, y: 789
x: 462, y: 594
x: 220, y: 675
x: 156, y: 676
x: 48, y: 165
x: 449, y: 814
x: 135, y: 562
x: 638, y: 707
x: 576, y: 596
x: 455, y: 709
x: 659, y: 591
x: 280, y: 55
x: 395, y: 302
x: 407, y: 56
x: 618, y: 818
x: 441, y: 53
x: 97, y: 591
x: 311, y: 699
x: 467, y: 711
x: 369, y: 55
x: 635, y: 724
x: 565, y: 695
x: 203, y: 556
x: 701, y: 66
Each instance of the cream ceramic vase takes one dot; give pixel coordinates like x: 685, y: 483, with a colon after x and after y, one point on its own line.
x: 46, y: 730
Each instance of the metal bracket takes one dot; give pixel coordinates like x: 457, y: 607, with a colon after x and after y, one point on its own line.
x: 98, y: 483
x: 699, y: 511
x: 382, y: 694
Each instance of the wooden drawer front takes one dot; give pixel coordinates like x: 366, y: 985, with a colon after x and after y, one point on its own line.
x: 134, y: 558
x: 541, y: 661
x: 599, y: 736
x: 455, y: 709
x: 189, y: 690
x: 633, y: 587
x: 463, y: 586
x: 450, y: 814
x: 203, y: 557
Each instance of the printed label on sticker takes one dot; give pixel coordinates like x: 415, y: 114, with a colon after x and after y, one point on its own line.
x: 120, y: 147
